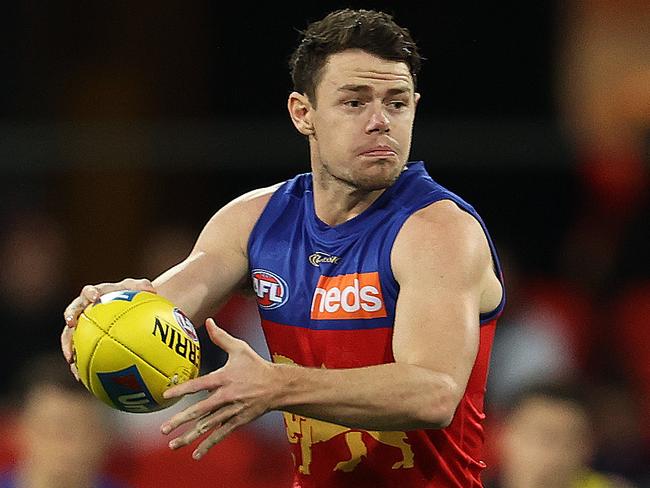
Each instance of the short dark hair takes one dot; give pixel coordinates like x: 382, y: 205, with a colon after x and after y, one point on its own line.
x: 369, y: 30
x: 566, y: 391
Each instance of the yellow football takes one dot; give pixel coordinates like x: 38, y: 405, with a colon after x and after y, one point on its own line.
x: 131, y: 346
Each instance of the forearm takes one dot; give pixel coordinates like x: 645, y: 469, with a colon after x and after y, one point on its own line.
x: 185, y: 290
x: 198, y: 287
x: 394, y: 396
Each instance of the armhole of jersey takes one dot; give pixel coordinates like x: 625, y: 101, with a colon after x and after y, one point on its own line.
x: 257, y: 227
x: 385, y: 263
x: 397, y: 226
x: 496, y: 264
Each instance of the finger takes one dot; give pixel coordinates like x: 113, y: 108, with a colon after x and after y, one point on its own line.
x: 196, y: 411
x: 72, y: 312
x: 217, y: 436
x: 188, y: 437
x: 220, y: 337
x: 90, y: 293
x: 75, y: 371
x: 211, y: 421
x: 210, y: 381
x: 66, y: 344
x: 141, y: 284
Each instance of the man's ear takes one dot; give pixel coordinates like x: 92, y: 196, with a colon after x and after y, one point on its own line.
x: 300, y: 111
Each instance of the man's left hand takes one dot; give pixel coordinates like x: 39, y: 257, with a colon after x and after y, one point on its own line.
x: 241, y: 391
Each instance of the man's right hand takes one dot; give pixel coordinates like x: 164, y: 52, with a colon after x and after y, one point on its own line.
x: 90, y: 294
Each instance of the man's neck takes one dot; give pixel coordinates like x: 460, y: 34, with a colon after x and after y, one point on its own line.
x: 336, y: 203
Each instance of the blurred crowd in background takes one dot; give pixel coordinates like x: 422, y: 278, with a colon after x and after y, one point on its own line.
x: 568, y: 397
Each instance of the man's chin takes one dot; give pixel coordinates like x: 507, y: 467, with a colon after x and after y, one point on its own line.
x: 380, y: 180
x: 368, y: 183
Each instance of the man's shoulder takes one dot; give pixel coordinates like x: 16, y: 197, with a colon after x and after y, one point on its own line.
x: 258, y: 196
x: 234, y: 222
x: 442, y: 232
x: 445, y: 215
x: 252, y: 203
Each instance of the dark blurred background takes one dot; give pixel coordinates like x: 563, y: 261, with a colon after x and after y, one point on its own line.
x: 125, y: 125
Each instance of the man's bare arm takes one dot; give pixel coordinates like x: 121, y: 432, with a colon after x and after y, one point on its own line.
x: 216, y: 266
x: 442, y: 262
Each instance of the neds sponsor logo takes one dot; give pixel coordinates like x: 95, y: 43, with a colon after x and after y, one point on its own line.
x: 349, y: 296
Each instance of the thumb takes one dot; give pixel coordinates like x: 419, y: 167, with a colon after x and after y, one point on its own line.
x: 220, y: 337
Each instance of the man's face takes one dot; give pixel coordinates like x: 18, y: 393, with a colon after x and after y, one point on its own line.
x: 362, y: 120
x: 63, y: 436
x: 546, y: 443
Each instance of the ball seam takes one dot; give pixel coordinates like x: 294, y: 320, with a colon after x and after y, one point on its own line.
x: 141, y: 358
x: 92, y: 354
x: 123, y: 312
x: 108, y: 333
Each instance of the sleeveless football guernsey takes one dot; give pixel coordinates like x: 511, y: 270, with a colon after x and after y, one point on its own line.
x: 326, y: 297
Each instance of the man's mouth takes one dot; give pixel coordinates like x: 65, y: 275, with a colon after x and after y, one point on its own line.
x: 379, y: 151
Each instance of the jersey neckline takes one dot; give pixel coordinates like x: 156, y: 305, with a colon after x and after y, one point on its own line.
x: 373, y: 214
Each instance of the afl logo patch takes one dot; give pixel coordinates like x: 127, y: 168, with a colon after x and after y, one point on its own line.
x: 271, y: 290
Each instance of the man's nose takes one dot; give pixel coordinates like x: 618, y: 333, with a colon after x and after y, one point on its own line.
x: 379, y: 120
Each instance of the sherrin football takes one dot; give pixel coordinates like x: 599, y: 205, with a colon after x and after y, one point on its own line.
x: 131, y: 346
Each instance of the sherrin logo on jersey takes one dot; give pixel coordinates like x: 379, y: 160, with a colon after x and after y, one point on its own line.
x: 271, y: 290
x: 348, y: 296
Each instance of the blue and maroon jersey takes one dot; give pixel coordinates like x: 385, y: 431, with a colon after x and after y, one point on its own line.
x: 326, y: 296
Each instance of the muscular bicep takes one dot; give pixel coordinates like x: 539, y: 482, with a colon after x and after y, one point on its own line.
x: 441, y: 260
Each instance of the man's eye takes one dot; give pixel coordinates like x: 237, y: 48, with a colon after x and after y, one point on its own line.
x: 397, y: 104
x: 353, y: 103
